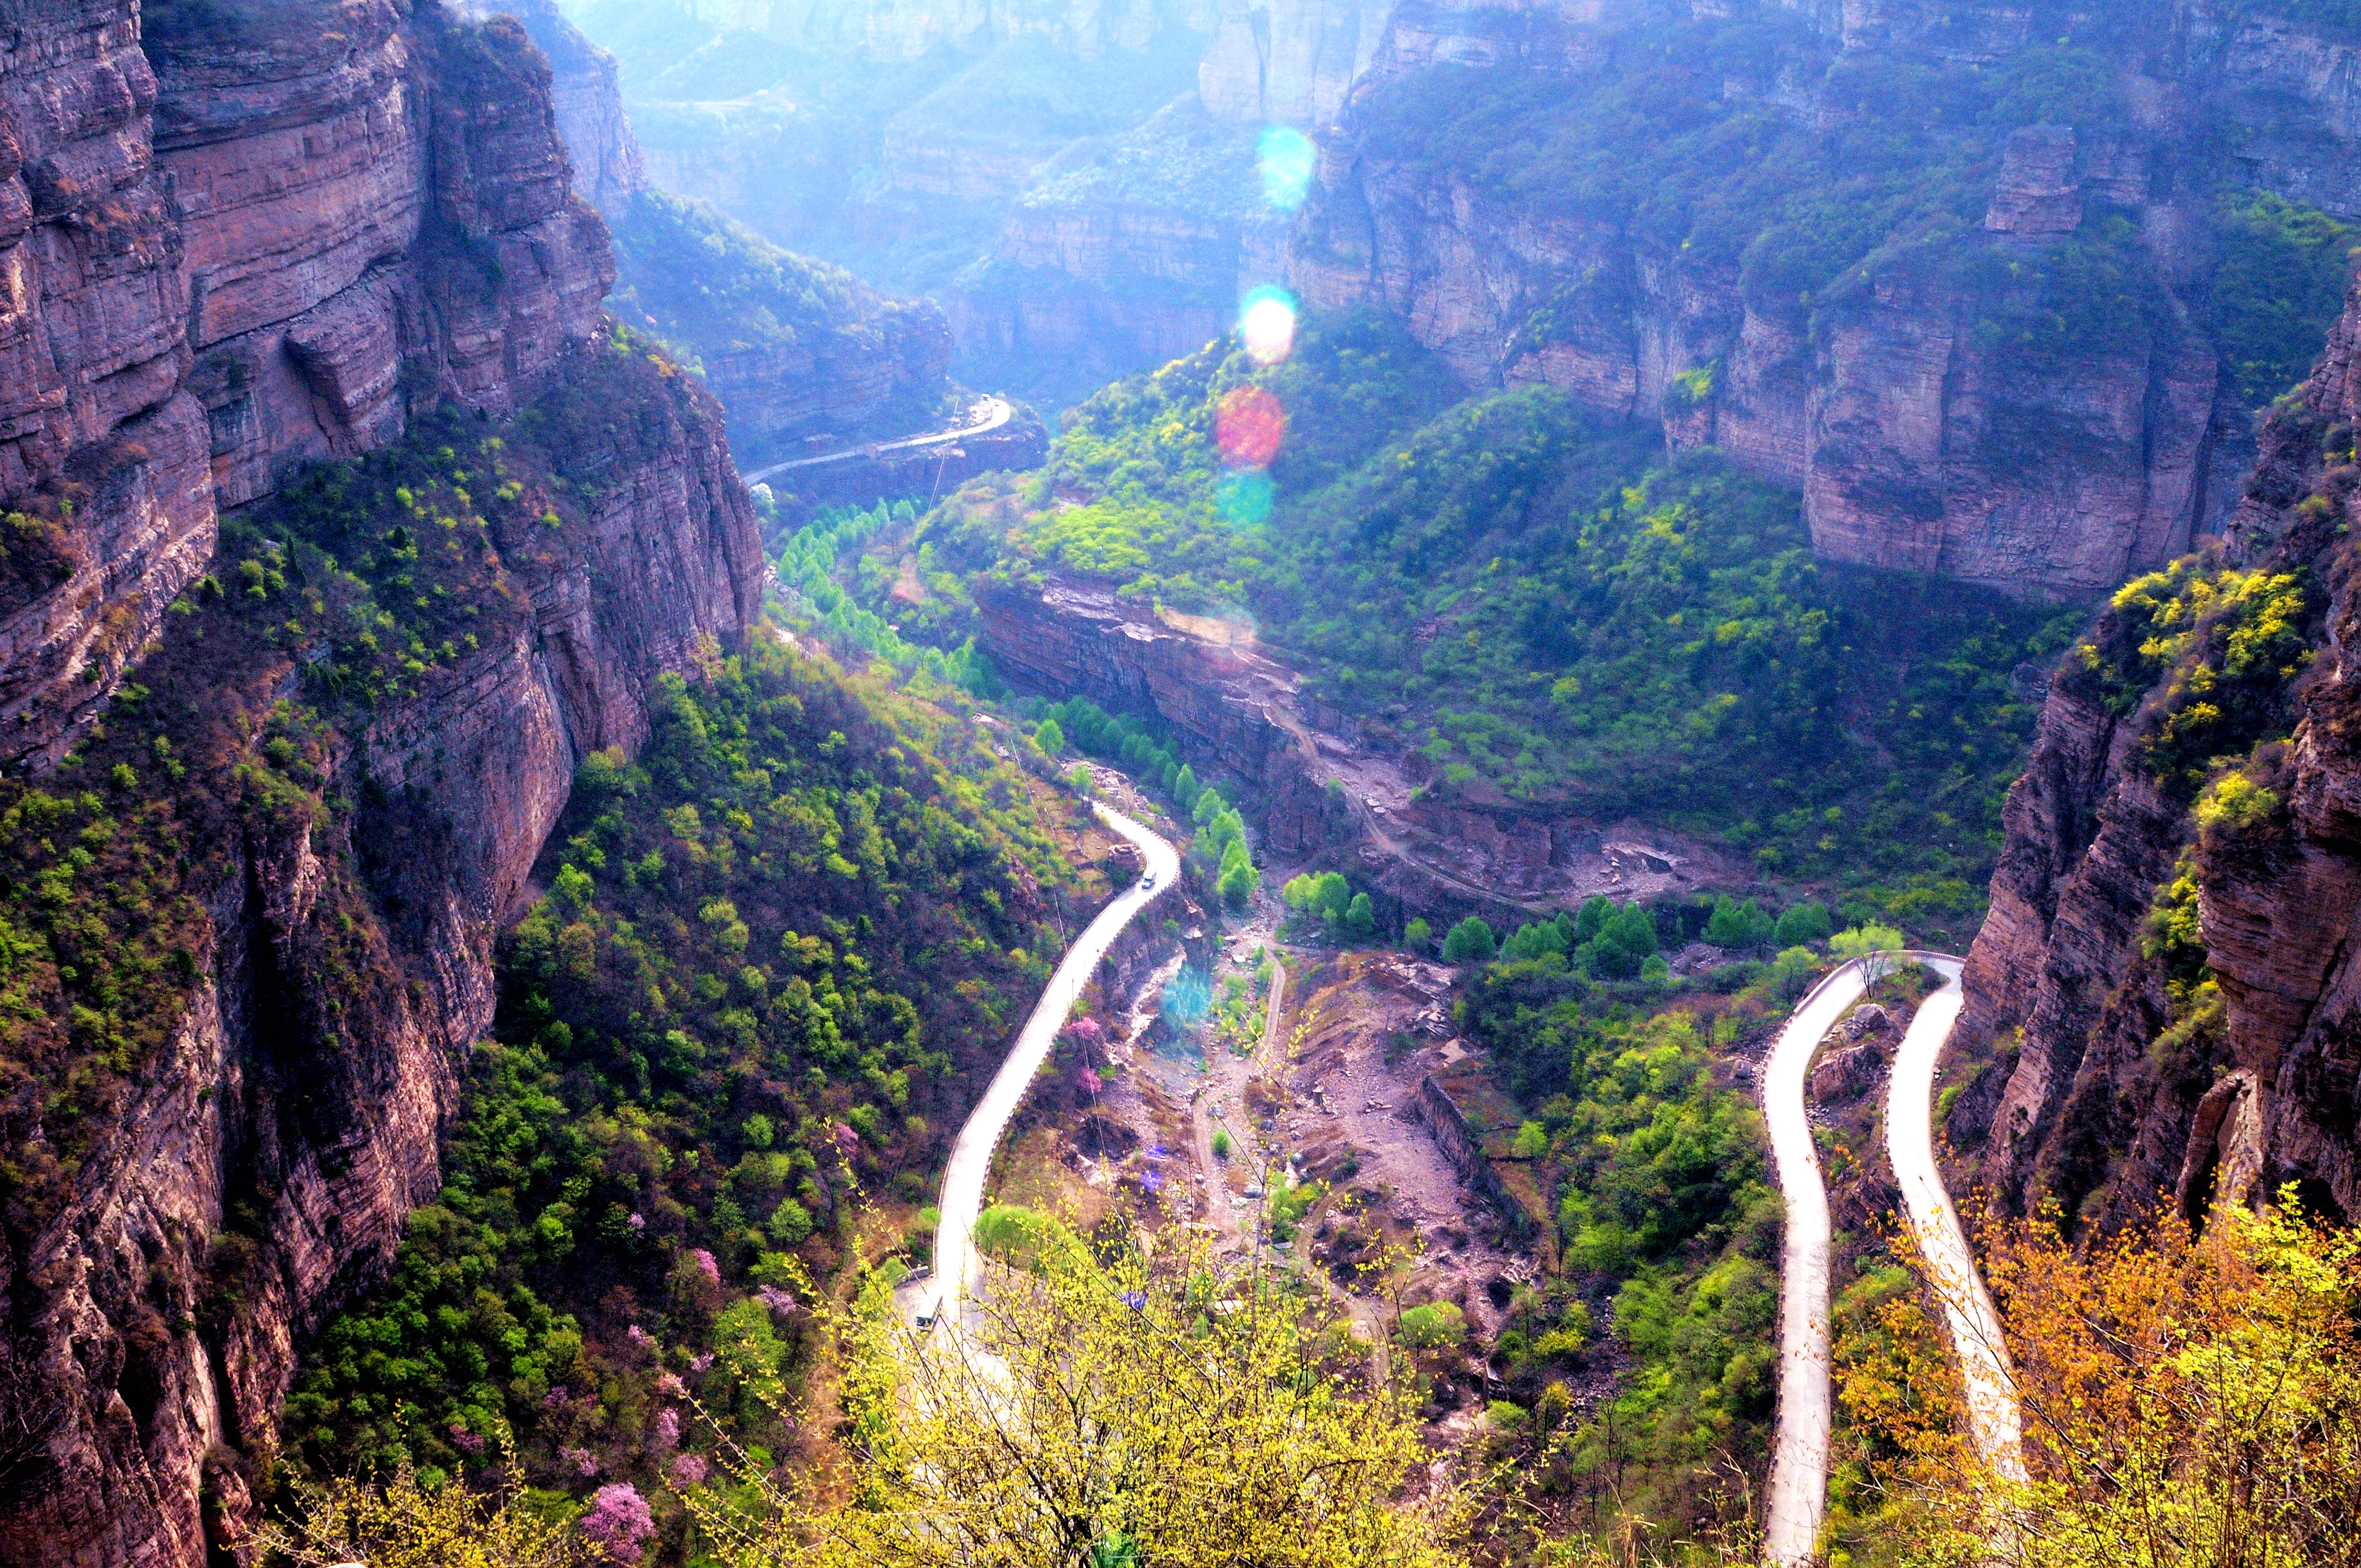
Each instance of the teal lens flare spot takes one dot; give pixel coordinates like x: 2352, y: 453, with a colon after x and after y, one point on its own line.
x: 1244, y: 498
x: 1286, y: 158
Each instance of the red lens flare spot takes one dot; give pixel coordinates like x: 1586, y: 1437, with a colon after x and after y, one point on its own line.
x: 1248, y: 425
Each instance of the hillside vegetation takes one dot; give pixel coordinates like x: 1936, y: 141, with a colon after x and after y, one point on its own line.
x: 748, y: 1016
x: 1540, y: 606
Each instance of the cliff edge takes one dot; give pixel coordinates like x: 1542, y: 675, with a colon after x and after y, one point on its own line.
x: 2166, y: 982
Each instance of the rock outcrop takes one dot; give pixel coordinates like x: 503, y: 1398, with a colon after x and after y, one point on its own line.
x: 2129, y: 1059
x: 798, y: 350
x: 586, y: 95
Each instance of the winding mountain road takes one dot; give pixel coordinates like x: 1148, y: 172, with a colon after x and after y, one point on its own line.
x: 1800, y: 1465
x: 1992, y: 1418
x: 1799, y: 1457
x: 984, y: 414
x: 962, y: 1199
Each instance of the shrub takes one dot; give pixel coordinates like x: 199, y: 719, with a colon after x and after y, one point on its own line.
x: 1470, y: 941
x: 1735, y: 924
x: 1802, y: 923
x: 1438, y: 1325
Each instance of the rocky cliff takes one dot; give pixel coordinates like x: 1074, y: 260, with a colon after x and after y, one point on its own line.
x: 2165, y: 986
x: 798, y: 350
x: 250, y: 236
x: 249, y: 912
x: 1931, y: 419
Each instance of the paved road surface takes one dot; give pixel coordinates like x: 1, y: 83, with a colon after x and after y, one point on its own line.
x: 1992, y: 1417
x: 963, y: 1198
x: 1799, y: 1458
x: 1800, y: 1465
x: 985, y: 413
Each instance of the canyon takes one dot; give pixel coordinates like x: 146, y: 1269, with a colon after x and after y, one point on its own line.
x: 798, y: 351
x: 1923, y: 429
x: 247, y: 238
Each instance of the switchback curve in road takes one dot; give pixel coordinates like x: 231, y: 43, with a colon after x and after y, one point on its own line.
x: 1993, y: 1420
x: 1799, y: 1456
x: 971, y: 1161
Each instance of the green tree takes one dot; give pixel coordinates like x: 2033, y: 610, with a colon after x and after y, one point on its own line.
x: 1418, y: 936
x: 1050, y: 738
x: 1360, y: 918
x: 1735, y: 924
x: 1802, y: 923
x: 1438, y: 1325
x: 1470, y: 941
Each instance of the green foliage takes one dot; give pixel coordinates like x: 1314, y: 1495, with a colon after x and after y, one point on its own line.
x: 1661, y: 1201
x: 1546, y: 608
x: 1802, y: 923
x: 1858, y: 941
x: 773, y: 947
x: 731, y: 305
x: 1220, y: 1144
x: 1437, y: 1325
x: 1470, y: 941
x: 361, y: 584
x: 805, y: 561
x: 2225, y: 646
x: 2281, y: 272
x: 1418, y: 936
x: 1735, y: 924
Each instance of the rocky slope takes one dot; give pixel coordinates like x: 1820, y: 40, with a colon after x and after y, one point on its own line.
x: 255, y: 240
x: 2166, y: 982
x: 255, y: 236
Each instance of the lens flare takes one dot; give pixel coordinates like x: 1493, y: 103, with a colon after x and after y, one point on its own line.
x: 1267, y: 323
x: 1248, y: 425
x: 1286, y: 158
x: 1244, y: 498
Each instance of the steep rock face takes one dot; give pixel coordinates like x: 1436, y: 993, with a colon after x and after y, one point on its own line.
x: 1293, y: 62
x: 258, y: 251
x: 272, y: 235
x: 2126, y: 1082
x: 796, y: 349
x: 586, y: 94
x: 102, y: 454
x: 364, y: 196
x: 1917, y: 440
x: 343, y: 967
x: 1923, y: 433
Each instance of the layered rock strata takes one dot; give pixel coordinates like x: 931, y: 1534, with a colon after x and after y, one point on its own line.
x: 342, y: 967
x: 1322, y: 794
x: 2114, y: 1078
x: 796, y: 350
x: 262, y: 235
x: 253, y: 236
